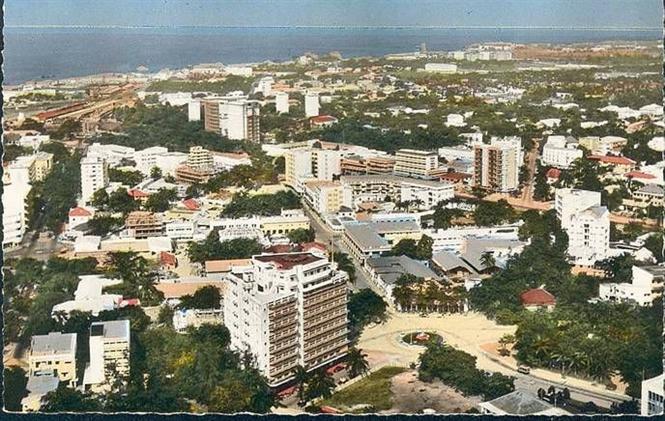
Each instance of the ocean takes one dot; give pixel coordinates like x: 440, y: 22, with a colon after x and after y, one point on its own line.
x: 55, y: 53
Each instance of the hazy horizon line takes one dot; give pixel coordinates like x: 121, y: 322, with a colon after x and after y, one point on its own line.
x: 518, y: 27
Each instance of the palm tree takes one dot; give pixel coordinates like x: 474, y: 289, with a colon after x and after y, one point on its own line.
x: 320, y: 384
x: 487, y: 260
x: 301, y: 377
x: 357, y: 362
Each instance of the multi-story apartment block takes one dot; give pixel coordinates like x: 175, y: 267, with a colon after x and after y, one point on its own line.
x: 199, y: 158
x: 586, y: 223
x: 311, y: 104
x: 378, y: 188
x: 415, y: 163
x: 56, y: 353
x: 109, y: 355
x: 653, y: 396
x: 324, y: 196
x: 281, y: 102
x: 497, y: 165
x: 356, y: 165
x: 142, y: 224
x: 233, y: 116
x: 94, y: 176
x: 311, y: 163
x: 14, y: 195
x: 288, y: 310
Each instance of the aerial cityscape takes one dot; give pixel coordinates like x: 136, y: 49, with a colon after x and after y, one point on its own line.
x: 432, y: 224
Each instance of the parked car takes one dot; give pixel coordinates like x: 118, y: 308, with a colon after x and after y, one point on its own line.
x: 524, y: 369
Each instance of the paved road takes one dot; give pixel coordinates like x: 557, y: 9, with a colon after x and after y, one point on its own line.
x: 332, y: 239
x: 531, y: 158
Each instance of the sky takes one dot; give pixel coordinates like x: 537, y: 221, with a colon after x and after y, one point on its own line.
x: 372, y: 13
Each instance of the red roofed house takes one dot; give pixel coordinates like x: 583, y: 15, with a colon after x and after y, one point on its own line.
x: 322, y: 121
x: 553, y: 175
x: 619, y: 164
x: 78, y: 216
x: 137, y: 194
x: 538, y: 299
x: 639, y: 176
x: 191, y: 204
x: 168, y: 260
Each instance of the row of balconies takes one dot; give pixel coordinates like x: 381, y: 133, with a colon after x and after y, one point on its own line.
x: 282, y: 322
x: 323, y: 350
x: 308, y: 324
x: 324, y: 339
x: 324, y: 308
x: 331, y: 294
x: 336, y: 323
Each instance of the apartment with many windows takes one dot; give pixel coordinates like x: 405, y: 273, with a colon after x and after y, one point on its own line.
x: 288, y: 310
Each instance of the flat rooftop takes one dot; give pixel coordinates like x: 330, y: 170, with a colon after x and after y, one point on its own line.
x: 53, y: 343
x: 288, y: 260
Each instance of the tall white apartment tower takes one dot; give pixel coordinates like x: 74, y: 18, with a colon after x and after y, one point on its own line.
x: 232, y: 116
x: 497, y: 165
x: 311, y: 104
x: 586, y: 223
x: 282, y: 102
x: 94, y: 176
x: 194, y: 109
x: 288, y: 310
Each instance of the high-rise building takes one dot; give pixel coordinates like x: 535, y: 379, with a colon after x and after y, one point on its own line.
x: 232, y: 116
x: 94, y: 176
x: 282, y: 102
x: 288, y: 310
x: 497, y: 165
x: 109, y: 355
x: 311, y: 104
x: 14, y: 195
x: 415, y: 163
x: 194, y: 109
x: 586, y: 223
x: 653, y: 396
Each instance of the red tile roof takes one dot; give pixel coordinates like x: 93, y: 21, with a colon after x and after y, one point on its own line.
x: 79, y: 211
x: 615, y: 160
x: 639, y: 174
x: 322, y: 119
x: 167, y: 258
x: 537, y: 296
x: 553, y: 173
x: 191, y: 204
x: 280, y: 248
x: 136, y: 193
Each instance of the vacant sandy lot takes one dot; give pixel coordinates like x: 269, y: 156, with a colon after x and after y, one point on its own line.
x: 411, y: 396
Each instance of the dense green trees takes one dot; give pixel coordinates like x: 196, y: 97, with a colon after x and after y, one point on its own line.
x: 50, y: 200
x: 261, y: 204
x: 138, y: 278
x: 346, y: 264
x: 493, y: 213
x: 301, y: 235
x: 161, y: 201
x: 421, y: 250
x: 595, y: 340
x: 458, y: 369
x: 119, y: 201
x: 213, y: 249
x: 165, y: 126
x: 15, y: 380
x: 204, y: 298
x: 364, y: 307
x: 126, y: 177
x: 228, y: 84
